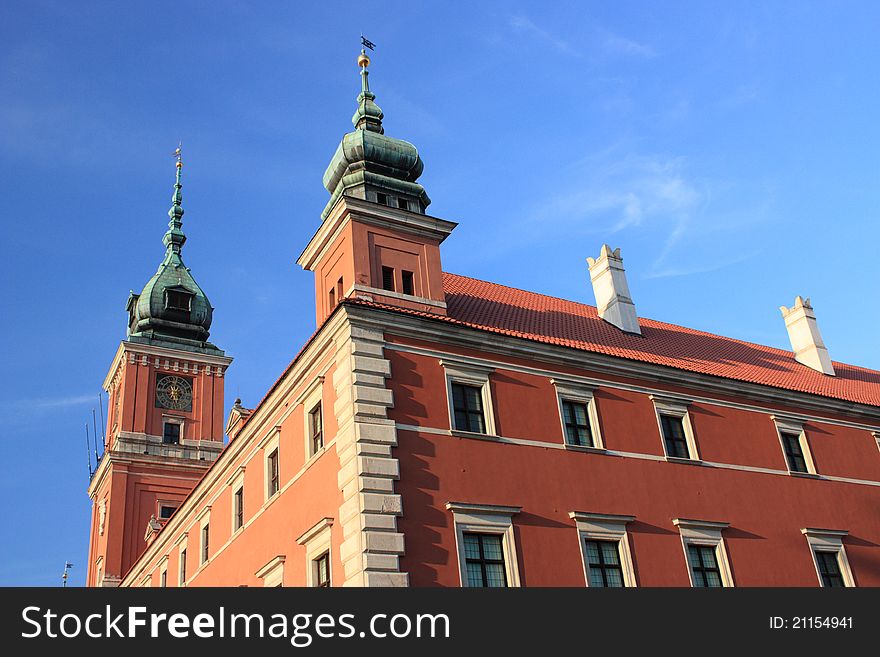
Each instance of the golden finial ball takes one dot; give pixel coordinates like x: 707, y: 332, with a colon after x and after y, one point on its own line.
x: 179, y: 164
x: 363, y: 60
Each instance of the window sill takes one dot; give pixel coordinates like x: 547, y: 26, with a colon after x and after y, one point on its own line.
x: 685, y: 461
x: 805, y: 475
x: 585, y: 449
x: 458, y: 433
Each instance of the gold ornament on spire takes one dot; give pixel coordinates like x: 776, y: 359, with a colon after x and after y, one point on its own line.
x: 177, y: 154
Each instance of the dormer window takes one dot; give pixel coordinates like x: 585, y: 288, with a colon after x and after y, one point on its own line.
x: 180, y: 300
x: 381, y: 199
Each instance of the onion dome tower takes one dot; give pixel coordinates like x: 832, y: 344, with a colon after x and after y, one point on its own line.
x: 165, y: 420
x: 172, y: 309
x: 372, y: 166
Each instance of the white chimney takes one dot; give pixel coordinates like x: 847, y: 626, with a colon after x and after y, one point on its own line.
x: 806, y: 341
x: 612, y: 292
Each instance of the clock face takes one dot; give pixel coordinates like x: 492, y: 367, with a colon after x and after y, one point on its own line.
x: 174, y: 392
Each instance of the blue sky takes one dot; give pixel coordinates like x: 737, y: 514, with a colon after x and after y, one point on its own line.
x: 730, y: 149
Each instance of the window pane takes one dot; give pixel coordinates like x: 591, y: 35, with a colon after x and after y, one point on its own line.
x: 495, y: 575
x: 613, y: 577
x: 474, y: 574
x: 471, y: 546
x: 492, y: 548
x: 610, y: 554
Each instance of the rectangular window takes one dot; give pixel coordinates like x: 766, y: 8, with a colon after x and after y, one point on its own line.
x: 316, y: 429
x: 340, y: 289
x: 171, y: 433
x: 388, y: 279
x: 332, y: 295
x: 829, y: 569
x: 576, y: 416
x: 408, y: 282
x: 163, y: 578
x: 603, y: 563
x: 239, y: 509
x: 166, y: 511
x: 467, y: 406
x: 180, y: 301
x: 794, y: 453
x: 206, y: 534
x: 703, y: 561
x: 484, y: 560
x: 272, y: 473
x: 674, y: 436
x: 182, y: 567
x: 322, y: 570
x: 381, y: 199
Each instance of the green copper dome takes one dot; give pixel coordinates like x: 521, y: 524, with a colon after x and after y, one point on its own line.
x: 370, y: 165
x: 172, y: 308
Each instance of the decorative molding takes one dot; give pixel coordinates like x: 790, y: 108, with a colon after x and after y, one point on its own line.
x: 483, y: 509
x: 486, y: 519
x: 396, y: 295
x: 314, y: 530
x: 272, y: 573
x: 829, y: 540
x: 606, y: 527
x: 705, y: 533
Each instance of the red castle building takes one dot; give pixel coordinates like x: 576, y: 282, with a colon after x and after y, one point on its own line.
x: 438, y: 430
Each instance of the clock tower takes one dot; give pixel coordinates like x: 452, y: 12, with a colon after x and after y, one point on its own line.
x: 165, y: 422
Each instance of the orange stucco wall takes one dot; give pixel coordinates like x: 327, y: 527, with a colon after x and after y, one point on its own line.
x: 308, y: 493
x: 766, y: 511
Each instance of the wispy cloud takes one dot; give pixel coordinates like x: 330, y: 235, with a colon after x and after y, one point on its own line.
x: 654, y: 198
x: 619, y: 45
x: 525, y: 25
x: 53, y: 403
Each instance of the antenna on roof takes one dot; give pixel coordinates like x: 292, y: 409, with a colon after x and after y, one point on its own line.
x: 103, y: 437
x: 67, y: 566
x: 88, y: 452
x: 95, y: 436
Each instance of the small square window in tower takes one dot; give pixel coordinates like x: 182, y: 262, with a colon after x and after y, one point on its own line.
x: 179, y: 300
x: 408, y: 280
x: 388, y: 278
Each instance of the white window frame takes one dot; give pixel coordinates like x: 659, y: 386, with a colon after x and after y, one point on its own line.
x: 676, y: 407
x: 204, y: 519
x: 173, y: 419
x: 605, y: 527
x: 309, y: 398
x: 876, y: 435
x: 705, y: 532
x: 163, y: 570
x: 269, y: 444
x: 470, y: 375
x: 317, y: 541
x: 272, y: 573
x: 579, y: 393
x: 236, y: 483
x: 486, y: 519
x: 829, y: 540
x: 181, y: 548
x: 795, y: 426
x: 167, y: 504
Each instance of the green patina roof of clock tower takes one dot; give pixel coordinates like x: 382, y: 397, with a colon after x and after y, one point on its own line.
x: 370, y: 165
x: 172, y: 310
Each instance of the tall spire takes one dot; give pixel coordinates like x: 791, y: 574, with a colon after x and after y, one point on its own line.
x: 174, y: 238
x: 368, y: 115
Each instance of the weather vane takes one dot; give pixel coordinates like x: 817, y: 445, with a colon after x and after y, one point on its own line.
x: 366, y: 43
x: 177, y: 153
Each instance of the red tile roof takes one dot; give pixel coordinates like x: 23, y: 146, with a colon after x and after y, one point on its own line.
x: 509, y: 311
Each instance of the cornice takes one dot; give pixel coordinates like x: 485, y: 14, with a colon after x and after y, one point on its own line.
x: 348, y: 209
x: 127, y: 347
x: 436, y: 330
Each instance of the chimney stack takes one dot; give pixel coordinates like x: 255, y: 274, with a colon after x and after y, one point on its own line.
x: 613, y: 301
x: 806, y: 341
